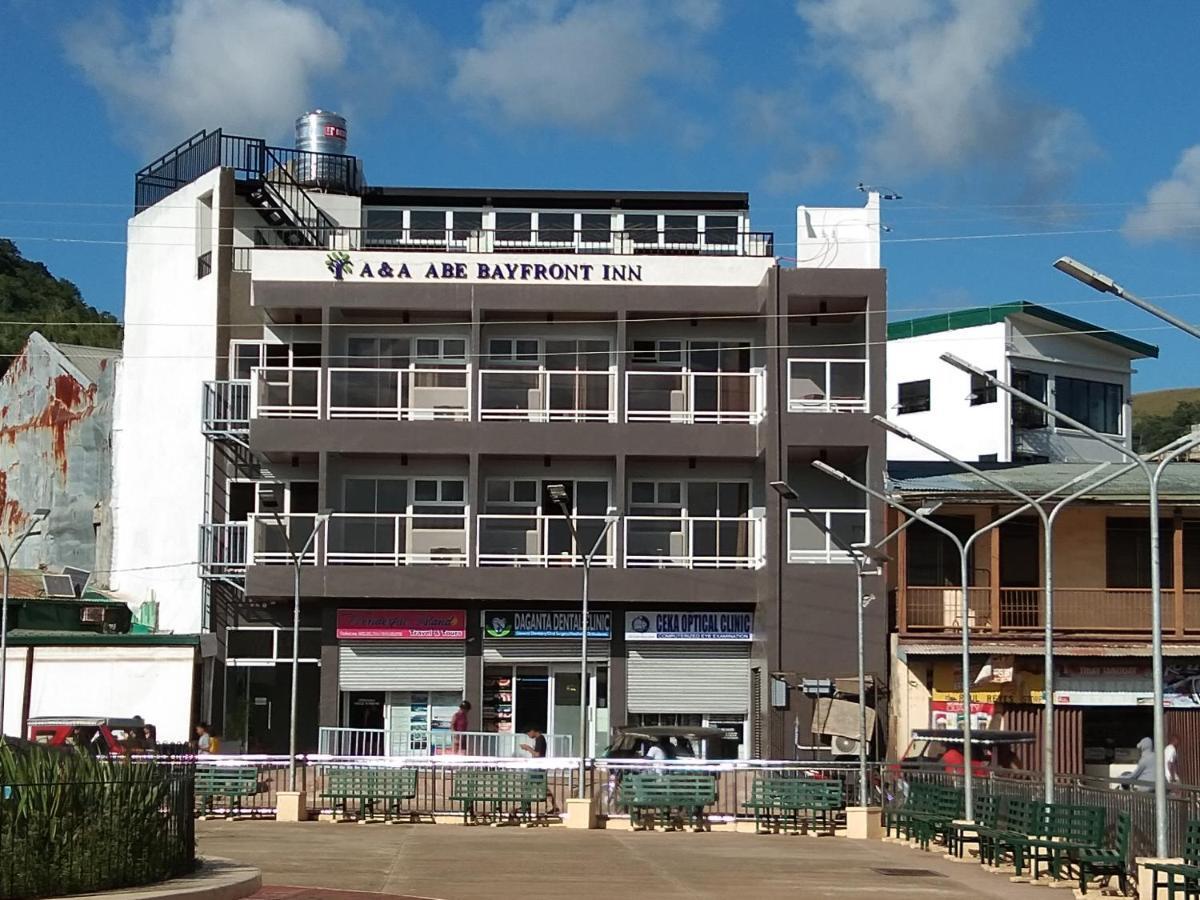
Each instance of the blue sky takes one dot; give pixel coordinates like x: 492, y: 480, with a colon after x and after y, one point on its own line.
x: 1072, y: 125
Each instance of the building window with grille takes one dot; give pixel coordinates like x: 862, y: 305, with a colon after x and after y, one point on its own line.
x: 913, y: 397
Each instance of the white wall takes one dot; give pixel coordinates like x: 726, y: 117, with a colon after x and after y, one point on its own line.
x: 951, y: 422
x: 152, y: 682
x: 159, y: 451
x: 838, y: 237
x: 14, y: 691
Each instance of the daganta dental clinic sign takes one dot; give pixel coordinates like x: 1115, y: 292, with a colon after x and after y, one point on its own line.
x: 689, y: 626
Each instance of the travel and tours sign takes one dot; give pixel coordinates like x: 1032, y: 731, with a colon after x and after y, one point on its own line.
x: 689, y: 626
x: 402, y: 624
x: 544, y: 624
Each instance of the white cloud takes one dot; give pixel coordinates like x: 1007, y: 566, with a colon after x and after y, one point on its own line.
x: 1172, y: 207
x: 248, y: 66
x: 930, y: 90
x: 587, y: 66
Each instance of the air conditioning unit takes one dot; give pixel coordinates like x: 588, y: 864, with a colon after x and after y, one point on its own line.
x: 844, y: 746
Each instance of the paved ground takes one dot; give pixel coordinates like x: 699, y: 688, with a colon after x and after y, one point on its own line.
x: 323, y: 861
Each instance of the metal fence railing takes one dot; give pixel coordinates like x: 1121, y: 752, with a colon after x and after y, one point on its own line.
x: 71, y: 837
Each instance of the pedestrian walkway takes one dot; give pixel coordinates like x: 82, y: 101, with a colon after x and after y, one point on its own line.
x: 456, y: 863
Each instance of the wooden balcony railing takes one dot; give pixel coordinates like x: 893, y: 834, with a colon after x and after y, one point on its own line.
x: 931, y: 610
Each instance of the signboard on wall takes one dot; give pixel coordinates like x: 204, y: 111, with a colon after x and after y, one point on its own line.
x: 526, y: 623
x: 949, y: 714
x: 402, y: 624
x: 675, y: 625
x: 1025, y: 687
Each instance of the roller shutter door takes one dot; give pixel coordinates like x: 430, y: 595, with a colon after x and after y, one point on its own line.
x: 518, y: 650
x: 401, y: 666
x: 689, y: 678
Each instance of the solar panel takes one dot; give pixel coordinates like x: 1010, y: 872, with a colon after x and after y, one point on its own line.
x: 58, y: 586
x: 79, y: 578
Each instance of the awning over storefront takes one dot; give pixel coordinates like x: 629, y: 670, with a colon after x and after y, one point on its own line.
x: 1032, y: 648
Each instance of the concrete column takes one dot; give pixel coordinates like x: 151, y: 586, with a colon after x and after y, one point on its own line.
x: 473, y: 675
x: 327, y: 712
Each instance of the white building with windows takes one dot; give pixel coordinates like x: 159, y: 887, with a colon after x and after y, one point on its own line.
x: 1079, y: 368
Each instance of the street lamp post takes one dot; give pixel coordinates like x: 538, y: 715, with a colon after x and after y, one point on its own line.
x: 7, y: 557
x: 964, y: 548
x: 1152, y: 474
x: 1100, y: 282
x: 558, y: 494
x: 1048, y: 590
x: 864, y: 559
x: 296, y: 557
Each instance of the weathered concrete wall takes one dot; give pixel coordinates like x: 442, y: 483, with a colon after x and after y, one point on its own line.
x: 56, y: 452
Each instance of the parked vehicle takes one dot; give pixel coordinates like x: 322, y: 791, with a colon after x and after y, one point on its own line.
x: 99, y: 736
x: 633, y: 741
x: 990, y: 749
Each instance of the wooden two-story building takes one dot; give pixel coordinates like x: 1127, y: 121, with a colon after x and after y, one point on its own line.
x: 1102, y: 611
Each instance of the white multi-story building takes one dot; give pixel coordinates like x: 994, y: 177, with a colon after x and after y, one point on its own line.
x: 449, y: 372
x: 1078, y: 368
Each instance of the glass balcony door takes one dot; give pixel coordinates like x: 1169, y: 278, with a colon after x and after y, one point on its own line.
x: 720, y: 513
x: 720, y: 376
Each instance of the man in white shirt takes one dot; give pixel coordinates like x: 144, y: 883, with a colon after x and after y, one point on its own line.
x: 1171, y: 759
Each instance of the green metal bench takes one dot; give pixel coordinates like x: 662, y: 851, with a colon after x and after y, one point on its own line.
x: 667, y: 798
x: 1065, y: 827
x: 959, y: 833
x: 369, y: 788
x: 1180, y: 878
x: 485, y: 793
x: 233, y: 783
x: 777, y: 799
x: 1104, y: 862
x: 1020, y: 820
x: 925, y: 806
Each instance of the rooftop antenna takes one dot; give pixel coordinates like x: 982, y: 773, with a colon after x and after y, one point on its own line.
x: 884, y: 193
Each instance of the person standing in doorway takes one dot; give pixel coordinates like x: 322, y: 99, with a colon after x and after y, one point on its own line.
x: 203, y: 738
x: 1171, y: 759
x: 458, y: 727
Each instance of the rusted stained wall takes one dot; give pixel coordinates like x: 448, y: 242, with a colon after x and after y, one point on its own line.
x: 56, y: 451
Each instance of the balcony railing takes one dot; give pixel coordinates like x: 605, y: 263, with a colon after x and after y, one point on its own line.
x: 408, y: 394
x: 272, y: 541
x: 671, y: 242
x: 827, y: 385
x: 540, y: 541
x: 695, y: 397
x: 694, y: 542
x: 1079, y: 610
x: 401, y: 539
x: 226, y: 407
x: 285, y: 393
x: 222, y: 550
x: 809, y: 544
x: 547, y: 395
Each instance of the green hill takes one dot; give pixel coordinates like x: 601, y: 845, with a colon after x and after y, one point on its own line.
x: 1163, y: 403
x: 1161, y: 416
x: 29, y: 293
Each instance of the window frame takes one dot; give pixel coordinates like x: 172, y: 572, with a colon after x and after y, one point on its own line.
x: 983, y: 391
x: 902, y: 409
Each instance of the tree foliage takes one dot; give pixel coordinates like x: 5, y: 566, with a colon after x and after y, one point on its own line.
x: 1152, y: 432
x: 30, y: 297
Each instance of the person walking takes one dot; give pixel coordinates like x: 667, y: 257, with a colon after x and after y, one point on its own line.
x: 458, y: 727
x: 204, y: 740
x: 1171, y: 759
x: 1142, y: 777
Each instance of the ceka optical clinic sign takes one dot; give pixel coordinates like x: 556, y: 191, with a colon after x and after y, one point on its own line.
x: 689, y: 626
x: 402, y: 624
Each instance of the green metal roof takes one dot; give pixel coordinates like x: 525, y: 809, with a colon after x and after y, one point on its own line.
x: 990, y: 315
x: 1180, y: 482
x: 30, y: 637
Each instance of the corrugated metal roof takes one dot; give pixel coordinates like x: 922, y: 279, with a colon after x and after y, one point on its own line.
x: 91, y: 361
x: 990, y: 315
x: 1035, y: 648
x: 1179, y: 483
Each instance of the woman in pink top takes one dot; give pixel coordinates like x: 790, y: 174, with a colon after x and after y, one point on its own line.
x: 458, y: 724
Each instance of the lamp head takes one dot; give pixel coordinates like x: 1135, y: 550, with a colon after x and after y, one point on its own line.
x: 1095, y: 280
x: 963, y: 366
x: 557, y: 492
x: 823, y: 466
x: 611, y: 515
x: 784, y: 490
x: 41, y: 513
